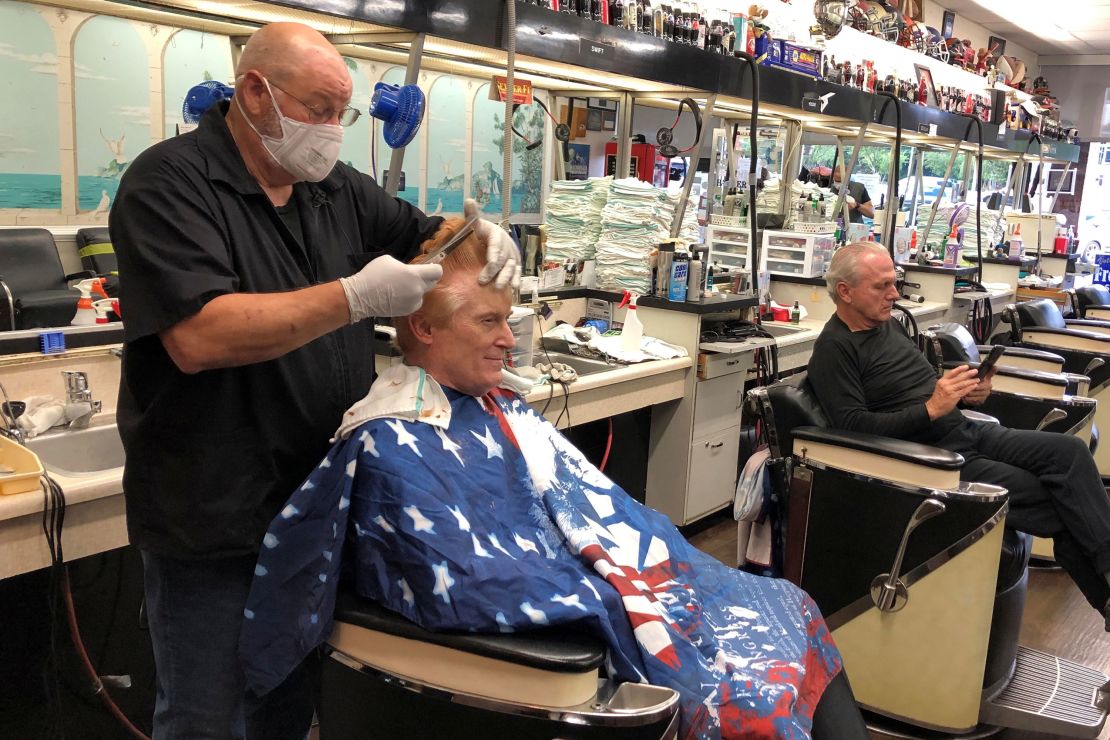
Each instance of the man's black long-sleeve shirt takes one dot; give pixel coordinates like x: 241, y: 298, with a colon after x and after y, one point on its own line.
x: 876, y: 381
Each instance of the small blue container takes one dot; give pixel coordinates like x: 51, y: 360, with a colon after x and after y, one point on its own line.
x: 52, y: 342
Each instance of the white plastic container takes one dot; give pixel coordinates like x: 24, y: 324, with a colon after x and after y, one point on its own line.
x: 522, y: 322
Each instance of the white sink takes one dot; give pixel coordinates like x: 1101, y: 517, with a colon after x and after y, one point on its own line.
x: 79, y: 452
x: 781, y: 330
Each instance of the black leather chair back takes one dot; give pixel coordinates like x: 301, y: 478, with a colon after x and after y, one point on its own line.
x: 29, y: 261
x: 955, y: 342
x: 790, y: 404
x: 1091, y: 295
x: 32, y: 270
x: 94, y: 246
x: 1040, y: 312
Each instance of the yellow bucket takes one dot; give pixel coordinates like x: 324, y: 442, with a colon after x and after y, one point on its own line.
x: 25, y: 466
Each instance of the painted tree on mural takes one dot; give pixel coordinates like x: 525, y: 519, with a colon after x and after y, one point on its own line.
x: 529, y: 120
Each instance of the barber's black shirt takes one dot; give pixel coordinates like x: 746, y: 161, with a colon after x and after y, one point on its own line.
x: 876, y: 381
x: 858, y: 191
x: 211, y: 457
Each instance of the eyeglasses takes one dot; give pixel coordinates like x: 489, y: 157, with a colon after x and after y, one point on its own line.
x: 347, y: 115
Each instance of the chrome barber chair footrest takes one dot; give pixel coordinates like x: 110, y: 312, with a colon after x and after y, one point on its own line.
x: 1050, y: 694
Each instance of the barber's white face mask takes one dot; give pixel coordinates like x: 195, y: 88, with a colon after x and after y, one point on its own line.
x: 307, y: 151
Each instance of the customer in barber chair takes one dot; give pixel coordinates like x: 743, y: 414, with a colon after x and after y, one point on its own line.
x: 464, y: 510
x: 871, y: 378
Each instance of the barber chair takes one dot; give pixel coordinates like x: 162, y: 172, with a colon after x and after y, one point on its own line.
x: 919, y: 581
x: 35, y: 291
x: 1085, y: 346
x: 94, y: 247
x: 1021, y: 398
x: 386, y: 677
x: 1091, y: 302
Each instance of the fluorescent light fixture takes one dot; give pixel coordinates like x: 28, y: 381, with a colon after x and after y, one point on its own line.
x: 1030, y: 14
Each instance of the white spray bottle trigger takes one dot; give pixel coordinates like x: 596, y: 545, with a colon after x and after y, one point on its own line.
x: 85, y: 313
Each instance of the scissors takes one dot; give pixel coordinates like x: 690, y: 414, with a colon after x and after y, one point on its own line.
x: 441, y: 254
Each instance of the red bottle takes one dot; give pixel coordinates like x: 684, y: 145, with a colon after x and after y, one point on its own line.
x: 922, y: 93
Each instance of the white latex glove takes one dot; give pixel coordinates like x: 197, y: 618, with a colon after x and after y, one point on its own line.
x: 387, y: 287
x: 850, y: 201
x: 502, y: 266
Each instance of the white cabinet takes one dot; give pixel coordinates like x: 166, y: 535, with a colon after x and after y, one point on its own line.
x: 713, y: 464
x: 717, y: 403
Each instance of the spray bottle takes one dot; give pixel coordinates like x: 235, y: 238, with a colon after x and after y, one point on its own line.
x: 103, y: 307
x: 633, y: 331
x: 952, y: 249
x: 1016, y: 247
x: 86, y: 314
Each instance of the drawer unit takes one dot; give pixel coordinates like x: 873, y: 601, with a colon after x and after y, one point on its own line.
x: 797, y: 253
x: 714, y: 364
x: 729, y: 246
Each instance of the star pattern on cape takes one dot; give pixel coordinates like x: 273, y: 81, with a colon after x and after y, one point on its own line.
x: 450, y: 445
x: 443, y: 582
x: 420, y: 523
x: 405, y: 438
x: 464, y: 523
x: 493, y: 447
x: 368, y: 445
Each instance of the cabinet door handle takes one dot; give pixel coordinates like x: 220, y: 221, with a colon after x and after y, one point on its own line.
x: 730, y: 363
x: 715, y: 445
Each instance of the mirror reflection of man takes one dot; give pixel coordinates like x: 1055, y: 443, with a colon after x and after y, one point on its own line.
x: 858, y: 199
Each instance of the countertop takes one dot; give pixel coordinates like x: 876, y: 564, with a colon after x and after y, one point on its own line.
x: 77, y: 489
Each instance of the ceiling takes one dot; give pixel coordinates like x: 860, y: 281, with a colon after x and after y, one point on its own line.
x: 1077, y: 27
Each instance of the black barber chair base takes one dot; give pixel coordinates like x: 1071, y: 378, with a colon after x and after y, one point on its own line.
x: 386, y: 677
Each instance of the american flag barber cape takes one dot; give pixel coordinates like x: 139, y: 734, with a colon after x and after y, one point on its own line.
x: 498, y: 524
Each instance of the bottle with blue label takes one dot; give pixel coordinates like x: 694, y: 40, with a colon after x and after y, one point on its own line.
x: 680, y: 272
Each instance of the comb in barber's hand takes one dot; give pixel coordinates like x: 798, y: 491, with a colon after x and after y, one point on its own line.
x: 440, y: 254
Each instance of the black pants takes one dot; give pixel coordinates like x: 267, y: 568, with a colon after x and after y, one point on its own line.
x: 837, y: 716
x: 1055, y: 491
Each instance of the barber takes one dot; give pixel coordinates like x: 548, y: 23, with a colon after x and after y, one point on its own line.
x: 857, y: 197
x: 250, y: 262
x: 871, y: 378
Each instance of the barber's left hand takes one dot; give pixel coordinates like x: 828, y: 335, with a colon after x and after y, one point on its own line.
x: 502, y: 266
x: 979, y: 393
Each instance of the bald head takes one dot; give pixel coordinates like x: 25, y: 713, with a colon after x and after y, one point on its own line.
x: 283, y: 52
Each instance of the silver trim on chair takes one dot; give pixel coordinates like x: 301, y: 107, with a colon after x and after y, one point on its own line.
x: 11, y: 302
x: 598, y: 712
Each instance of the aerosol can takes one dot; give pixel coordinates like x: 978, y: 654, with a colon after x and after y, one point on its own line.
x: 86, y: 313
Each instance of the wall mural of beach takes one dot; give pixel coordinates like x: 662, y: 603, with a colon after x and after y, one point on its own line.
x: 112, y: 61
x: 112, y: 96
x: 29, y: 153
x: 191, y: 57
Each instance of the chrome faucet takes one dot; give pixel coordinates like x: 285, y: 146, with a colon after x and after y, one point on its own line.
x: 77, y: 391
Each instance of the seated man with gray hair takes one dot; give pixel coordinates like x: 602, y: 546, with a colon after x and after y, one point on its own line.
x: 871, y: 378
x: 451, y: 502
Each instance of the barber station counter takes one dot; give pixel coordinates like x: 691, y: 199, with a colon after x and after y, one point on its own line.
x: 94, y: 519
x: 605, y: 394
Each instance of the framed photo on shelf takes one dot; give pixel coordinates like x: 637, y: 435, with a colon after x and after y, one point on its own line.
x: 997, y: 47
x: 594, y: 119
x: 609, y: 120
x: 578, y: 166
x: 948, y: 26
x: 926, y: 74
